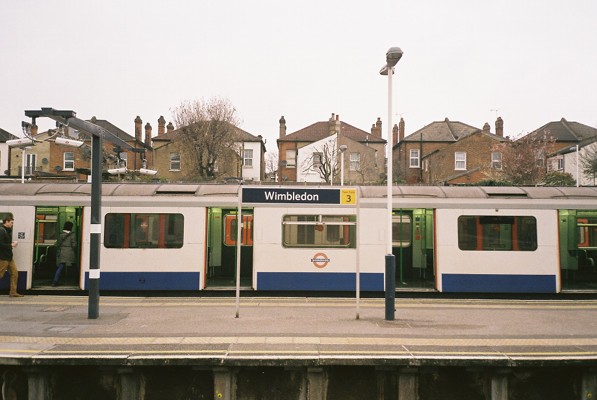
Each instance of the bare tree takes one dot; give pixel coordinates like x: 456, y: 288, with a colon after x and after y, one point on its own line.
x: 588, y: 160
x: 208, y: 131
x: 523, y: 161
x: 323, y: 160
x: 271, y: 164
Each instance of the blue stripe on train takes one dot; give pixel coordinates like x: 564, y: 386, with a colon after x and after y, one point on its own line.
x: 498, y: 283
x: 21, y: 281
x: 147, y: 280
x: 318, y: 281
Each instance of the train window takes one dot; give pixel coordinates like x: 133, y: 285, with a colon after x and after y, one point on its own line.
x: 587, y: 232
x: 130, y: 230
x: 319, y: 231
x: 401, y: 230
x: 497, y: 233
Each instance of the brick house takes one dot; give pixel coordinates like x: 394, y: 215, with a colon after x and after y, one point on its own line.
x: 51, y: 160
x: 439, y: 153
x: 171, y: 157
x: 5, y: 152
x: 565, y: 155
x: 364, y: 155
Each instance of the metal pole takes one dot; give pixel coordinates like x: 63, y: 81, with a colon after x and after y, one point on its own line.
x: 358, y: 282
x: 390, y: 259
x: 95, y: 227
x: 577, y: 162
x: 24, y: 155
x: 342, y: 168
x: 239, y: 221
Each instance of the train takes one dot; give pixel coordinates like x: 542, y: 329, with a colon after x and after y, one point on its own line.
x: 294, y: 238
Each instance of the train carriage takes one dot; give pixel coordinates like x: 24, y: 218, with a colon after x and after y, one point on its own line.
x: 186, y: 237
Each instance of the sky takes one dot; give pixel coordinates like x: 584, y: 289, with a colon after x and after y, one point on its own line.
x: 530, y: 62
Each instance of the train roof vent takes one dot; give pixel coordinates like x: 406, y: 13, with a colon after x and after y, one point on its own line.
x: 504, y: 191
x: 177, y: 190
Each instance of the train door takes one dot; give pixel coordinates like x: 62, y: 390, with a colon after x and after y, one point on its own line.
x: 49, y: 222
x: 412, y: 237
x: 221, y: 248
x: 578, y: 249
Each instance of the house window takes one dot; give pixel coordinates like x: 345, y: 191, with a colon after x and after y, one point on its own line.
x: 496, y: 160
x: 355, y: 161
x: 561, y: 164
x: 290, y: 159
x: 248, y: 158
x: 460, y: 161
x: 174, y: 162
x: 317, y: 160
x: 69, y: 161
x: 30, y: 164
x: 414, y: 158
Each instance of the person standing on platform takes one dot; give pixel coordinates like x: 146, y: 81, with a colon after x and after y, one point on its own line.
x: 66, y: 247
x: 7, y: 262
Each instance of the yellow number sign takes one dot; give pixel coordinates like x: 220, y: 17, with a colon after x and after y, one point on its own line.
x: 348, y: 196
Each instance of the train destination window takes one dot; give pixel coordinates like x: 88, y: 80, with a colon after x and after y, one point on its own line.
x: 497, y: 233
x: 130, y: 230
x: 321, y: 231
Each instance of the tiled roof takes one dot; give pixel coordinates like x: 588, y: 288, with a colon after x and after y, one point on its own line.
x: 244, y: 136
x: 5, y: 135
x: 107, y: 125
x: 320, y: 130
x: 566, y: 131
x: 442, y: 131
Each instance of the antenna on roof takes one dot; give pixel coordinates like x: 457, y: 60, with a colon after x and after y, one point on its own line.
x: 496, y: 111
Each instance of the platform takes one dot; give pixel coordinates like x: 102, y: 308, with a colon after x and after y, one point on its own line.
x: 312, y: 335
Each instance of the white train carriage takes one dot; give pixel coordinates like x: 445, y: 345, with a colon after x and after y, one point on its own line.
x: 186, y: 238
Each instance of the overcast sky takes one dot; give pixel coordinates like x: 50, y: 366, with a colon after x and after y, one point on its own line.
x: 534, y: 61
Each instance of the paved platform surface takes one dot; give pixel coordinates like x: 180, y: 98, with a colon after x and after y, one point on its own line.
x: 296, y: 331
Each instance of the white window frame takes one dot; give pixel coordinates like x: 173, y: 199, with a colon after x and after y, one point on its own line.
x: 355, y: 162
x: 561, y: 164
x: 460, y: 160
x: 174, y: 163
x: 68, y: 164
x: 415, y: 159
x: 248, y: 158
x: 317, y: 158
x: 291, y: 158
x: 30, y: 163
x: 496, y: 160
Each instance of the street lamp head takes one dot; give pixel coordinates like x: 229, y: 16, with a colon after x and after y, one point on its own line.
x: 393, y: 55
x: 343, y: 148
x: 19, y: 142
x: 69, y: 142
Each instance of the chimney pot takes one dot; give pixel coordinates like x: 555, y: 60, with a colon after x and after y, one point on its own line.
x: 148, y: 134
x: 499, y: 127
x: 161, y: 125
x: 401, y: 126
x: 138, y: 124
x: 282, y: 127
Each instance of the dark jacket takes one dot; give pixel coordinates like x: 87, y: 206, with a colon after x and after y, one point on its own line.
x: 5, y: 243
x: 68, y: 247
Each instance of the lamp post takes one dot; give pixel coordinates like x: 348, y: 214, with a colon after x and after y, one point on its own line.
x: 393, y: 55
x: 69, y: 118
x: 342, y: 148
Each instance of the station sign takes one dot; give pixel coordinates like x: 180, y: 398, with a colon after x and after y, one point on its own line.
x: 292, y: 195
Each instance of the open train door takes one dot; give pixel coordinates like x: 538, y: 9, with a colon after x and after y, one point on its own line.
x: 49, y: 223
x: 221, y: 248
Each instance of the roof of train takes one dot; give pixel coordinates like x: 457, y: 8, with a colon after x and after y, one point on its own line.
x: 144, y: 189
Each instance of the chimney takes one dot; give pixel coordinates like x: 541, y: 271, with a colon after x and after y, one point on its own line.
x: 401, y: 125
x: 148, y: 134
x: 332, y: 124
x: 138, y: 123
x: 161, y: 125
x: 282, y: 127
x: 170, y: 127
x: 486, y: 128
x: 499, y: 127
x: 376, y: 128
